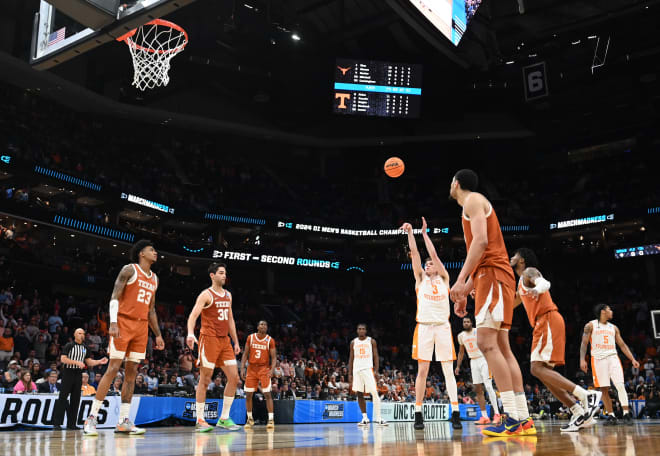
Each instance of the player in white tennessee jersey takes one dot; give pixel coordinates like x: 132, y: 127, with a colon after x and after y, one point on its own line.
x: 605, y: 362
x: 433, y: 331
x: 467, y: 340
x: 361, y: 374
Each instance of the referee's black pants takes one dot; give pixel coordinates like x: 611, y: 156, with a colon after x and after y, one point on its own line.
x: 71, y: 384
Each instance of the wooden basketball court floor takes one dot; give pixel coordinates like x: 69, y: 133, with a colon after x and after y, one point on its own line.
x: 400, y: 439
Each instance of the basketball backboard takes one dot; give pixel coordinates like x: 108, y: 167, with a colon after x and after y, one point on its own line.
x: 78, y: 26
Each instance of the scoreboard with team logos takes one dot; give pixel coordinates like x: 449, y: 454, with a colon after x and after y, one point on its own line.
x: 373, y: 88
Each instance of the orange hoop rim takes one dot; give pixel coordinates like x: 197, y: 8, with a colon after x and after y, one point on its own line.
x: 127, y: 37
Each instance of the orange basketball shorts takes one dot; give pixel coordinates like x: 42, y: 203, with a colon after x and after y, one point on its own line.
x: 549, y: 339
x: 215, y: 352
x: 256, y: 374
x: 132, y: 341
x: 493, y: 300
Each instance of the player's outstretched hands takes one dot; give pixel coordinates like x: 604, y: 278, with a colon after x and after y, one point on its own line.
x: 407, y: 227
x: 424, y: 226
x: 160, y: 343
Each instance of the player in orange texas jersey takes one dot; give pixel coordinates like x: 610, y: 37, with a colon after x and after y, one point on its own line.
x: 132, y: 313
x: 215, y: 350
x: 549, y: 341
x: 261, y: 356
x: 487, y: 271
x: 605, y: 363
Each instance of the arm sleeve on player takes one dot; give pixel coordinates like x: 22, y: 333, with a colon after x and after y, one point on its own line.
x: 541, y: 285
x: 114, y: 310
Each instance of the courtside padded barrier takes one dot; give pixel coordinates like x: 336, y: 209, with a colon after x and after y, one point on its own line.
x: 36, y: 410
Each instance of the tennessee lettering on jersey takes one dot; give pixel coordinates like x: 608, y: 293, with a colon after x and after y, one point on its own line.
x: 535, y: 307
x: 215, y: 316
x: 432, y: 301
x: 363, y: 357
x: 260, y: 349
x: 469, y: 340
x: 603, y: 339
x: 138, y: 292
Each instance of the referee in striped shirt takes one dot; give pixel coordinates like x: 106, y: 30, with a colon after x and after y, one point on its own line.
x: 75, y: 357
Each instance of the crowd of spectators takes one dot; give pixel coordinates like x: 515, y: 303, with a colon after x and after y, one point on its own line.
x: 312, y: 350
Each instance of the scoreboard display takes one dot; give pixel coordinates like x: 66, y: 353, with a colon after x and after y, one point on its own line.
x: 373, y: 88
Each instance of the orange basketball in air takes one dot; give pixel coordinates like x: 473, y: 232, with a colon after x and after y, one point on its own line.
x: 394, y: 167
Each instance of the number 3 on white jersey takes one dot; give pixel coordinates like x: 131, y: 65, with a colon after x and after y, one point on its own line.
x: 144, y: 296
x: 223, y: 314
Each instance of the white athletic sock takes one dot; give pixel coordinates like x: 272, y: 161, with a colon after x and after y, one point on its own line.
x: 271, y: 416
x: 492, y: 397
x: 509, y: 404
x: 418, y: 408
x: 226, y: 406
x: 96, y: 406
x: 124, y: 411
x: 199, y: 406
x: 580, y: 393
x: 577, y: 409
x: 450, y: 383
x: 484, y: 413
x: 364, y: 416
x: 521, y: 406
x: 249, y: 414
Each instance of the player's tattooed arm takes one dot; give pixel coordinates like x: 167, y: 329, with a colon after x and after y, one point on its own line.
x: 586, y: 336
x: 120, y: 282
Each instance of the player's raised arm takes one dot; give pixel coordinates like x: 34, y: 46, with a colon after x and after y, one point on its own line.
x: 414, y: 254
x: 201, y: 302
x: 159, y: 344
x: 624, y: 347
x: 117, y: 292
x: 430, y: 248
x: 586, y: 336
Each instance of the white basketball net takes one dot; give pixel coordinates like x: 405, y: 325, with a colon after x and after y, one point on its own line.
x: 152, y: 47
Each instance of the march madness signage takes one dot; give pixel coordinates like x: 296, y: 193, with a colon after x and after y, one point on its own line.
x: 37, y: 410
x: 403, y: 411
x: 210, y: 411
x: 333, y: 412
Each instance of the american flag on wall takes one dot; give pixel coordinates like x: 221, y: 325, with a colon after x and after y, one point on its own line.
x: 56, y: 36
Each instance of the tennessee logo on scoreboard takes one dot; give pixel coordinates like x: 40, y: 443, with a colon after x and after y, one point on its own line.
x: 342, y: 99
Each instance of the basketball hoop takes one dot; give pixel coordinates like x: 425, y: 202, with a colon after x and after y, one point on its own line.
x: 152, y: 47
